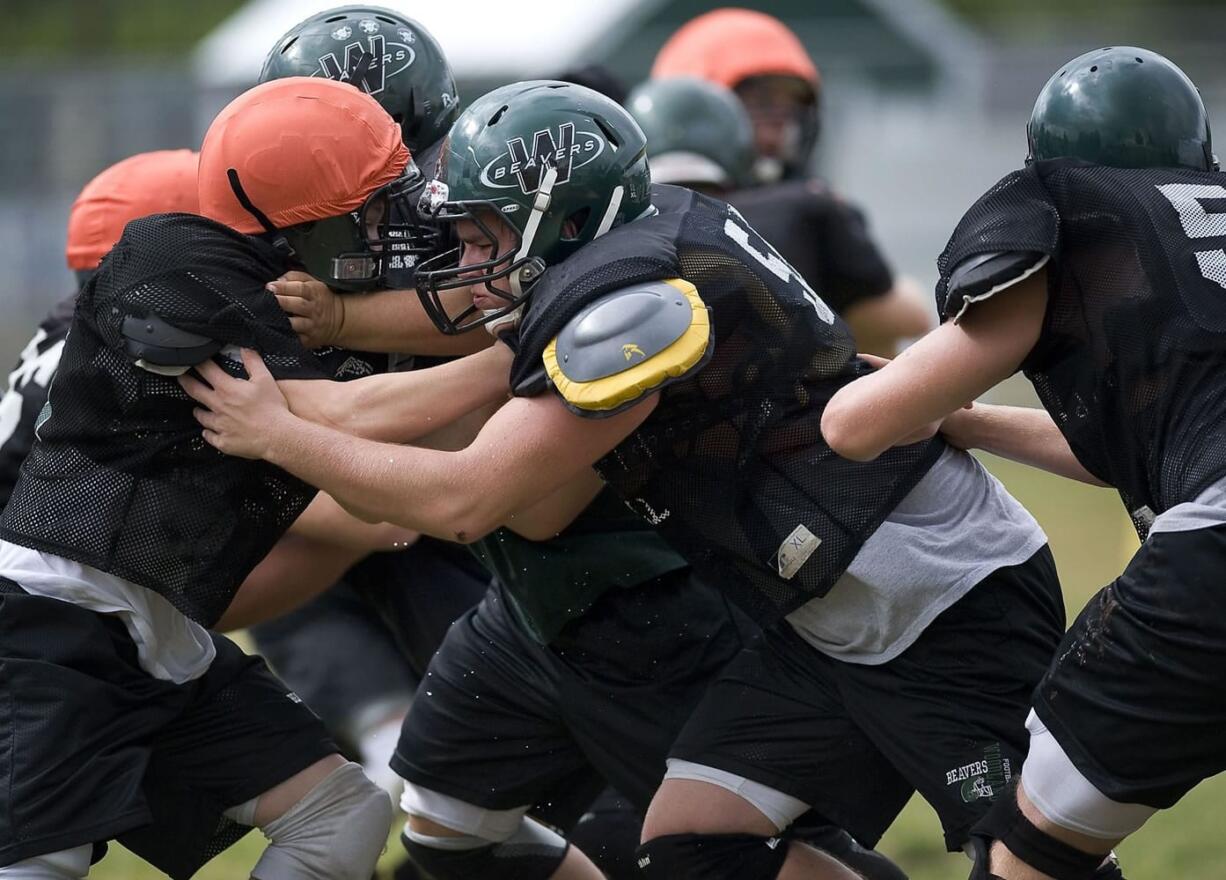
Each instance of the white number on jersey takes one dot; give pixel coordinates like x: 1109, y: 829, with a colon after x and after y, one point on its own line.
x: 1199, y: 223
x: 774, y: 263
x: 37, y: 367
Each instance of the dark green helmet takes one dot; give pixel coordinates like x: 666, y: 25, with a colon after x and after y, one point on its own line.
x: 1124, y: 107
x: 698, y: 132
x: 392, y: 58
x: 558, y: 163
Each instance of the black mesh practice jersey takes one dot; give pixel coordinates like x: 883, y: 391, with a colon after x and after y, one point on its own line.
x: 119, y: 477
x: 1131, y: 361
x: 731, y: 465
x: 26, y: 393
x: 823, y: 237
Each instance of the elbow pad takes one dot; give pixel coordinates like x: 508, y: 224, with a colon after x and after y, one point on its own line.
x: 162, y: 348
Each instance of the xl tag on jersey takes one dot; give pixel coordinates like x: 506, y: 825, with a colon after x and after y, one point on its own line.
x: 795, y: 551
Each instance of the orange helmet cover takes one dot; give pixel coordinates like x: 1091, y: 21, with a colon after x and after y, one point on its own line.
x: 729, y: 45
x: 160, y: 182
x: 304, y: 148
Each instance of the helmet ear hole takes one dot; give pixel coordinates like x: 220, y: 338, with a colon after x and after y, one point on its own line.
x: 573, y: 225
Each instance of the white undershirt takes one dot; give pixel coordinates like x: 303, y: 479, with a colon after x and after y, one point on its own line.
x: 954, y: 528
x: 1206, y: 511
x: 169, y: 645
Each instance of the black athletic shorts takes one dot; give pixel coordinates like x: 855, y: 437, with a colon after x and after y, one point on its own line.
x: 502, y: 722
x: 1136, y: 695
x: 93, y: 748
x: 420, y: 592
x: 946, y: 717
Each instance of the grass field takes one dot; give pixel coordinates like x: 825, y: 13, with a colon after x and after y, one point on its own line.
x: 1092, y: 540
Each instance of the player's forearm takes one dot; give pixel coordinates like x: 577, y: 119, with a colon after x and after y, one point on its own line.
x: 437, y: 493
x: 394, y: 321
x: 1022, y: 434
x: 947, y: 369
x: 401, y: 407
x: 878, y: 323
x: 894, y: 406
x: 326, y: 522
x: 295, y: 571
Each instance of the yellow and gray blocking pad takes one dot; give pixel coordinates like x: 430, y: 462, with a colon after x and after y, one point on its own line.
x: 628, y: 343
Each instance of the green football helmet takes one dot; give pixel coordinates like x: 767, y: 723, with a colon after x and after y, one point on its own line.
x: 557, y: 163
x: 698, y: 133
x: 392, y: 58
x: 1124, y: 107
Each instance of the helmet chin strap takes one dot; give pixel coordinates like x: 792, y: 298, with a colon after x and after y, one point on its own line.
x: 610, y: 214
x: 531, y: 270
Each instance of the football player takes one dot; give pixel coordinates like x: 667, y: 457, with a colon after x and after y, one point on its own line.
x: 165, y: 181
x: 698, y: 134
x: 659, y: 338
x: 125, y: 538
x: 1098, y: 271
x: 147, y: 183
x: 407, y: 72
x: 321, y: 544
x: 356, y: 653
x: 817, y: 231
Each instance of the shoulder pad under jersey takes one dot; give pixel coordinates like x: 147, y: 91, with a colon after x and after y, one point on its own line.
x: 628, y: 343
x: 982, y: 276
x: 162, y: 348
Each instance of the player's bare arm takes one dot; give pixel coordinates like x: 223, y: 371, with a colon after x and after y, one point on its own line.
x: 968, y: 357
x: 384, y: 320
x: 295, y: 571
x: 879, y: 322
x: 547, y: 518
x: 400, y: 407
x: 529, y: 449
x: 395, y: 408
x: 1019, y: 433
x: 326, y: 521
x: 321, y: 545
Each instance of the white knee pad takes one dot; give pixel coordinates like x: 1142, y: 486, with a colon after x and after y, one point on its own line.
x: 528, y: 834
x: 336, y: 832
x: 1061, y: 793
x: 67, y: 864
x: 490, y: 826
x: 781, y: 809
x: 533, y: 851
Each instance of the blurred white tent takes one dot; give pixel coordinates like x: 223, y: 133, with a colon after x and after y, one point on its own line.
x: 483, y: 39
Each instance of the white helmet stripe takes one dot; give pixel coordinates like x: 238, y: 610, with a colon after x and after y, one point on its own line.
x: 610, y: 214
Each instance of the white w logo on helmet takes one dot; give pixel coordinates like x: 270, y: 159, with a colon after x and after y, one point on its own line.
x: 565, y: 148
x: 369, y: 69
